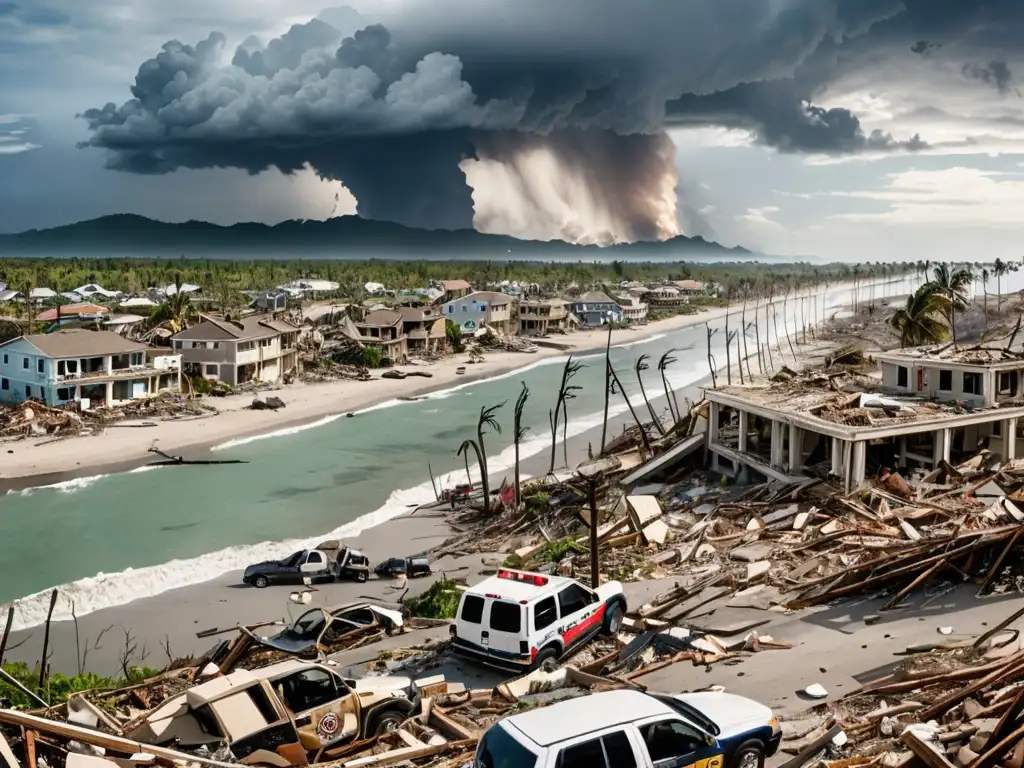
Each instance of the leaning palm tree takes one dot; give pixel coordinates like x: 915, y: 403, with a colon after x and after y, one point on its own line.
x: 670, y: 394
x: 607, y: 388
x: 953, y: 284
x: 486, y: 420
x: 616, y: 387
x: 639, y: 367
x: 919, y: 321
x: 518, y: 433
x: 175, y: 311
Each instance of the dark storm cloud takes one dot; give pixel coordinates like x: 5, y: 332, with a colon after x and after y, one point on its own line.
x: 391, y: 109
x: 996, y: 74
x: 779, y: 116
x: 34, y: 14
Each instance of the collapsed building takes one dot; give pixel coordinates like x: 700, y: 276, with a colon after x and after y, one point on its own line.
x: 929, y: 407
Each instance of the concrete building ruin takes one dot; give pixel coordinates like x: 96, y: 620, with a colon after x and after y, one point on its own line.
x: 928, y: 407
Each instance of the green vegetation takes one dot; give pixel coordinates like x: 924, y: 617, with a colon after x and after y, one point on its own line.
x: 555, y: 551
x: 59, y: 687
x: 537, y: 502
x: 930, y: 314
x: 441, y: 601
x: 453, y: 332
x: 513, y: 561
x: 372, y: 357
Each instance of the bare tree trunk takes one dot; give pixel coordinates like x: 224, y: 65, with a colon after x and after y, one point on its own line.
x: 768, y: 334
x: 7, y: 633
x: 785, y: 327
x: 743, y: 333
x: 643, y: 432
x: 728, y: 353
x: 484, y: 479
x: 711, y: 358
x: 757, y: 340
x: 607, y: 387
x: 44, y: 664
x: 778, y: 339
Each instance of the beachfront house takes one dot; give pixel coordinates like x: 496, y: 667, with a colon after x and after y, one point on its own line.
x: 66, y: 314
x: 78, y: 365
x: 95, y: 291
x: 596, y: 308
x: 424, y: 330
x: 257, y: 347
x: 482, y: 308
x: 454, y: 289
x: 690, y: 287
x: 383, y: 329
x: 633, y: 310
x: 539, y: 317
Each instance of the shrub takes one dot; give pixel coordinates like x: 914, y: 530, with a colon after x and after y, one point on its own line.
x: 441, y: 601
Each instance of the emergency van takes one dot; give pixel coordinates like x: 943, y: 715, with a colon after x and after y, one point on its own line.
x: 518, y: 620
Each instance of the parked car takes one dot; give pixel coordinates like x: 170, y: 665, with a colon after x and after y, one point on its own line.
x: 313, y: 564
x: 328, y: 630
x: 418, y: 565
x: 634, y: 728
x: 292, y: 713
x: 519, y: 620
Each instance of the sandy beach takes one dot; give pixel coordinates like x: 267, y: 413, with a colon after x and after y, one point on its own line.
x: 39, y: 462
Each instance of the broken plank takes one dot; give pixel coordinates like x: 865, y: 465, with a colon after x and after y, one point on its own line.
x: 402, y: 755
x: 924, y: 751
x: 7, y: 754
x: 812, y: 749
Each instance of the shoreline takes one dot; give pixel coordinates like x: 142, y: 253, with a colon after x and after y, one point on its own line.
x: 26, y: 465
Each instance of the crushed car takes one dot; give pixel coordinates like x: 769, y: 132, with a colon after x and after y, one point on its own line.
x: 316, y: 633
x: 410, y: 567
x: 288, y: 714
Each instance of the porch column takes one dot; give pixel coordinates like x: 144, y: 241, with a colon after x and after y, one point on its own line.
x: 1009, y: 439
x: 903, y: 453
x: 108, y: 364
x: 796, y: 448
x: 941, y: 445
x: 776, y: 452
x: 947, y: 444
x: 713, y: 413
x: 741, y: 443
x: 110, y: 391
x: 837, y: 457
x: 858, y: 464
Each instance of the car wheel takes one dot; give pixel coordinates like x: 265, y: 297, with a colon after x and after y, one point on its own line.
x: 260, y: 582
x: 613, y: 619
x: 750, y: 754
x: 363, y: 576
x: 546, y: 658
x: 387, y: 722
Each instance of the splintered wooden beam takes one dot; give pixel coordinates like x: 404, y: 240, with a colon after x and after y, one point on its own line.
x: 923, y: 577
x: 994, y: 754
x: 924, y: 751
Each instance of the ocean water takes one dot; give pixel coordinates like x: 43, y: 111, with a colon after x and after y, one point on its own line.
x: 111, y: 539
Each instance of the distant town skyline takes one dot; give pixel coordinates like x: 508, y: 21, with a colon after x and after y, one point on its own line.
x: 865, y: 130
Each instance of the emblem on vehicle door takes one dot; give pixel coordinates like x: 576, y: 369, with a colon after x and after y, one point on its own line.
x: 328, y: 725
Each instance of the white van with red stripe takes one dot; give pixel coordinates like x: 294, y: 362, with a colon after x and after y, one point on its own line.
x: 518, y: 620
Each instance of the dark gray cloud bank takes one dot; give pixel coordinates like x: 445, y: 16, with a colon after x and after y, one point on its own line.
x: 391, y: 109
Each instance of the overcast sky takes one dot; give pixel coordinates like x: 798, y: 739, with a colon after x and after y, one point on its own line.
x: 853, y: 129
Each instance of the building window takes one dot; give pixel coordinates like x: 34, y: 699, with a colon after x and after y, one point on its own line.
x: 1008, y: 383
x: 24, y: 363
x: 972, y: 384
x: 5, y: 359
x: 28, y: 390
x: 64, y: 394
x: 179, y: 344
x: 216, y: 345
x: 5, y: 384
x: 211, y: 370
x: 901, y: 376
x: 39, y: 365
x: 465, y: 308
x: 945, y: 381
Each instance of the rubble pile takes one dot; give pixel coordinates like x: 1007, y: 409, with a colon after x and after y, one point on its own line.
x: 957, y: 706
x: 34, y: 419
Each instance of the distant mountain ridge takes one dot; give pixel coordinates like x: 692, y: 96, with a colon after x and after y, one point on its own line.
x: 346, y: 236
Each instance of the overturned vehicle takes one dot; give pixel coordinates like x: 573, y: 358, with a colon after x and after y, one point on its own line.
x: 288, y: 714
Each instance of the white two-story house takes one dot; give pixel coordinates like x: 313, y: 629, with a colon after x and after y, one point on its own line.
x: 78, y: 365
x: 475, y: 310
x: 238, y: 351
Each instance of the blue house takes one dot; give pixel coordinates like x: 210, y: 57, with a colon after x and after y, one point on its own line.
x: 596, y: 308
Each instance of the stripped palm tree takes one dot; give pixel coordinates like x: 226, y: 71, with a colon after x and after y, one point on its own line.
x: 566, y: 392
x: 670, y: 394
x: 518, y: 433
x: 486, y: 420
x: 919, y: 322
x: 953, y: 284
x: 615, y: 387
x: 639, y: 367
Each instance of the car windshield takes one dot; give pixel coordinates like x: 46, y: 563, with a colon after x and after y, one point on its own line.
x: 308, y: 625
x: 499, y: 750
x: 690, y: 713
x: 290, y: 560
